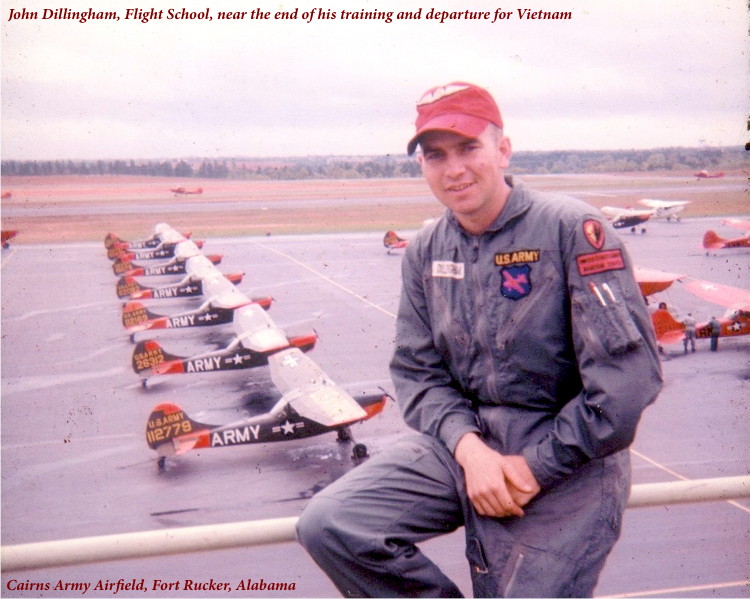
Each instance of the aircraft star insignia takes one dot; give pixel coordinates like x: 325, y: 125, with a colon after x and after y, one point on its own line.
x: 288, y: 428
x: 290, y: 361
x: 237, y: 359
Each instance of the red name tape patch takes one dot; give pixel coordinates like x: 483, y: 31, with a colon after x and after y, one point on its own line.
x: 591, y: 264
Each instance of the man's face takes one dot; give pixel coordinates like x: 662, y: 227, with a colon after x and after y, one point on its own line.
x: 466, y: 174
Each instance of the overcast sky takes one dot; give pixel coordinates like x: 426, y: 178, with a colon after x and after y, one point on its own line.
x: 618, y: 75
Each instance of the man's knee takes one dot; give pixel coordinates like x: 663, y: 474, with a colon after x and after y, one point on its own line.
x: 315, y: 522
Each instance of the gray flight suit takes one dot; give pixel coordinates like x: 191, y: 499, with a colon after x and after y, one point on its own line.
x: 534, y: 335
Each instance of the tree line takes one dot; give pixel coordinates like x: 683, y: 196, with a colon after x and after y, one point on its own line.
x: 374, y: 167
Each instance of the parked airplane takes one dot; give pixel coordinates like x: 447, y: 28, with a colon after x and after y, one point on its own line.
x: 736, y: 320
x: 189, y: 286
x: 311, y: 404
x: 622, y: 218
x: 392, y: 241
x: 165, y: 249
x: 5, y: 237
x: 712, y: 241
x: 665, y: 208
x: 160, y: 230
x: 181, y: 191
x: 183, y: 252
x: 223, y: 300
x: 256, y: 338
x: 708, y: 175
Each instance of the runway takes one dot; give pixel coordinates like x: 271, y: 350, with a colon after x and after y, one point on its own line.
x: 75, y: 461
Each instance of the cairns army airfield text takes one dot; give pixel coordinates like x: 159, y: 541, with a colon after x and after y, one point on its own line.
x: 320, y: 14
x: 186, y: 585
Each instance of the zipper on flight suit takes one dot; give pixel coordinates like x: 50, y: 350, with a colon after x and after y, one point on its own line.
x: 483, y: 325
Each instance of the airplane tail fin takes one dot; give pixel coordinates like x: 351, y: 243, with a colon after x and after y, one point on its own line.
x: 172, y: 432
x: 135, y: 314
x: 127, y: 286
x: 148, y: 354
x: 668, y: 330
x: 111, y: 239
x: 711, y: 240
x: 391, y: 238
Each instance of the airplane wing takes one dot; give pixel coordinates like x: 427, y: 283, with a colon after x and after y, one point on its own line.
x: 663, y: 203
x: 652, y: 280
x: 723, y: 295
x: 310, y: 391
x: 737, y: 222
x: 613, y: 212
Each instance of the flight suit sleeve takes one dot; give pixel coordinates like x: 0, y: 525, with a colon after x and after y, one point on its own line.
x: 427, y: 394
x: 616, y: 351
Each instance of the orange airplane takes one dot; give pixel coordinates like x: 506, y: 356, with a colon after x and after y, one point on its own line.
x: 706, y: 175
x: 181, y: 191
x: 736, y: 320
x: 712, y: 241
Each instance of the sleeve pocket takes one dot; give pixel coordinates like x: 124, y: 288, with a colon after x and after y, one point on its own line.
x: 610, y: 325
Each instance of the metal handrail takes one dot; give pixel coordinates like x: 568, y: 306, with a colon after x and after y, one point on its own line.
x: 48, y: 554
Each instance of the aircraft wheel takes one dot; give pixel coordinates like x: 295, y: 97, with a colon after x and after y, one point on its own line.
x: 162, y: 463
x: 144, y: 384
x: 359, y: 451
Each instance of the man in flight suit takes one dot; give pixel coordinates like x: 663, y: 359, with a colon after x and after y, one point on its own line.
x: 524, y: 359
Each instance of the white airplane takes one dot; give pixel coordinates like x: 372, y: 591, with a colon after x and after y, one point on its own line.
x: 664, y: 208
x: 622, y: 218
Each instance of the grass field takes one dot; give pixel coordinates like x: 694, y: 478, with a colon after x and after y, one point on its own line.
x: 75, y: 208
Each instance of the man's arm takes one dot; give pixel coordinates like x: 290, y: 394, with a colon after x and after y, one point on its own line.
x: 617, y: 358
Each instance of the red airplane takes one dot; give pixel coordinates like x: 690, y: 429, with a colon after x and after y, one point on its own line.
x: 392, y: 241
x: 736, y: 321
x: 311, y: 404
x: 707, y: 175
x: 5, y: 237
x: 181, y: 191
x: 712, y: 241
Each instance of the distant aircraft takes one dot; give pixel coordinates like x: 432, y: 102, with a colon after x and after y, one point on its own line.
x: 5, y: 237
x: 6, y: 195
x: 707, y: 175
x: 665, y: 208
x: 737, y: 223
x: 256, y: 338
x: 622, y: 218
x: 392, y: 241
x: 736, y: 320
x: 181, y: 191
x: 311, y: 404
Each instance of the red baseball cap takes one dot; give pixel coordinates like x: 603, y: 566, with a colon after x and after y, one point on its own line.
x: 458, y: 107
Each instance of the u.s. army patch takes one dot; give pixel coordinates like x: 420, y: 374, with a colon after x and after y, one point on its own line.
x: 517, y: 257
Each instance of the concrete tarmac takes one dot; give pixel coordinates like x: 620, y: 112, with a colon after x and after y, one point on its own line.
x: 75, y: 461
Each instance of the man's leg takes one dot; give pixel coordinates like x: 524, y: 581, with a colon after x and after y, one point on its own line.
x: 560, y: 546
x: 362, y: 529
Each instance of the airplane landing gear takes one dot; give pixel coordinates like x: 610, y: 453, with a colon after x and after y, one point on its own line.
x: 359, y: 450
x: 162, y: 463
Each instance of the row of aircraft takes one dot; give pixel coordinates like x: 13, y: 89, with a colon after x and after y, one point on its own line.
x: 311, y: 402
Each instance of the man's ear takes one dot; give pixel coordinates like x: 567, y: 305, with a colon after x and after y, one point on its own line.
x: 505, y: 150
